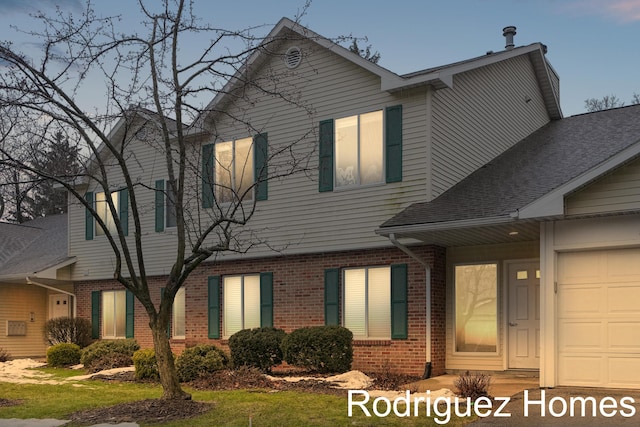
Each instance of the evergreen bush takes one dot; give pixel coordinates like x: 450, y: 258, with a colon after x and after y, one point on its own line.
x: 200, y: 360
x: 146, y: 365
x: 258, y: 348
x: 322, y: 349
x: 63, y: 354
x: 107, y: 354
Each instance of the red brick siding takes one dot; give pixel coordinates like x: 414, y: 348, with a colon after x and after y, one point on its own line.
x: 298, y: 293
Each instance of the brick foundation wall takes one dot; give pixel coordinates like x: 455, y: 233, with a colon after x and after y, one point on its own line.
x: 298, y: 293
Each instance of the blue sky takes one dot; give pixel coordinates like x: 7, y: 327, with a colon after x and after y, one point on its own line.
x: 593, y: 44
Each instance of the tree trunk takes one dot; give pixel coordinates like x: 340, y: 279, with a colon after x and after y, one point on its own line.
x: 166, y: 366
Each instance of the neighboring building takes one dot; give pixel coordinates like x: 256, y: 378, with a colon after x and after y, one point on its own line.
x: 470, y: 164
x: 34, y: 282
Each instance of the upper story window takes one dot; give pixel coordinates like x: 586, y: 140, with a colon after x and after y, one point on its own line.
x: 361, y: 150
x: 165, y: 207
x: 102, y: 208
x: 235, y: 170
x: 120, y: 200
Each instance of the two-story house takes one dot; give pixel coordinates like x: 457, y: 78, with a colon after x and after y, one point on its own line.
x: 432, y: 220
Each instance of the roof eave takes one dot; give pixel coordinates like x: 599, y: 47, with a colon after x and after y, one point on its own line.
x: 445, y: 225
x: 552, y: 204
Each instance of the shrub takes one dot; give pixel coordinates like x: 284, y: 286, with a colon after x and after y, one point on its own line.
x: 472, y: 385
x: 68, y: 330
x: 107, y: 354
x: 145, y: 363
x: 258, y: 348
x: 63, y: 354
x: 200, y: 360
x: 4, y: 355
x: 319, y: 348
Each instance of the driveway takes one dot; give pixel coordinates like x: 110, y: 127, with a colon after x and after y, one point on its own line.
x: 564, y: 406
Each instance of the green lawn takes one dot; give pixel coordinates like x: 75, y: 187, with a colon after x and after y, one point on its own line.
x: 231, y: 408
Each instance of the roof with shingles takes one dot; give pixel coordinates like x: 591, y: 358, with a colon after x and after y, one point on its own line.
x: 552, y: 156
x: 33, y: 246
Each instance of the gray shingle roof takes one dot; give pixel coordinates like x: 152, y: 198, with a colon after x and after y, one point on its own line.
x: 33, y: 246
x: 548, y: 158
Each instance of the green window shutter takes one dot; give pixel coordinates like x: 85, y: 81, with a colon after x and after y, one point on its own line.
x: 393, y: 143
x: 160, y: 205
x: 332, y: 296
x: 129, y: 319
x: 260, y: 156
x: 207, y: 176
x: 88, y: 218
x: 399, y: 300
x: 325, y: 167
x: 96, y: 299
x: 214, y: 306
x: 266, y: 299
x: 123, y: 213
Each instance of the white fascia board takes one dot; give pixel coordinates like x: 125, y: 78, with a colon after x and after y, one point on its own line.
x: 447, y: 225
x: 445, y: 74
x: 552, y: 203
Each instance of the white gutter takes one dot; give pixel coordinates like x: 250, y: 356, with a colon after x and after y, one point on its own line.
x: 42, y: 285
x: 427, y: 268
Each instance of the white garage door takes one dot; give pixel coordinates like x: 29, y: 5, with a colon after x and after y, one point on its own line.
x: 599, y: 318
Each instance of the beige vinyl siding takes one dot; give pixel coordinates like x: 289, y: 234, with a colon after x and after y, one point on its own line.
x: 482, y: 254
x: 484, y: 114
x: 296, y: 218
x: 18, y: 301
x: 616, y: 192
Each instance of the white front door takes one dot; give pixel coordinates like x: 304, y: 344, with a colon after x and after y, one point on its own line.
x: 58, y: 306
x: 524, y: 315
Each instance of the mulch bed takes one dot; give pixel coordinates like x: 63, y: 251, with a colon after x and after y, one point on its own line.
x: 143, y: 411
x: 7, y: 402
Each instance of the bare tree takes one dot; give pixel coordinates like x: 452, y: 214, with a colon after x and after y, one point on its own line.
x: 153, y: 94
x: 366, y: 52
x: 607, y: 102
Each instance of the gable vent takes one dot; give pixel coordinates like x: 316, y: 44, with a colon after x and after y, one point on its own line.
x: 293, y: 57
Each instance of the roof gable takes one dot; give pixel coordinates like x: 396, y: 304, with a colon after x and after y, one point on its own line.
x: 439, y: 77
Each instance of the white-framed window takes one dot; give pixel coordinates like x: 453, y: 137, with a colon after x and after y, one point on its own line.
x: 233, y: 170
x: 102, y: 208
x: 241, y: 303
x: 178, y: 319
x: 114, y: 320
x: 359, y: 150
x: 367, y: 302
x: 476, y: 308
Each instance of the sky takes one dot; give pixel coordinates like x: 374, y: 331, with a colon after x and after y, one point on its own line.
x: 592, y: 44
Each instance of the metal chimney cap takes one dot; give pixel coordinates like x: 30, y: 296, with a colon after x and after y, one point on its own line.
x: 508, y: 33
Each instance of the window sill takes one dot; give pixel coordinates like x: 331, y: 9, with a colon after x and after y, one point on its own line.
x: 366, y: 343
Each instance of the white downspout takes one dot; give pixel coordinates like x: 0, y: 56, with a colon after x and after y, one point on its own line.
x: 427, y: 268
x: 42, y: 285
